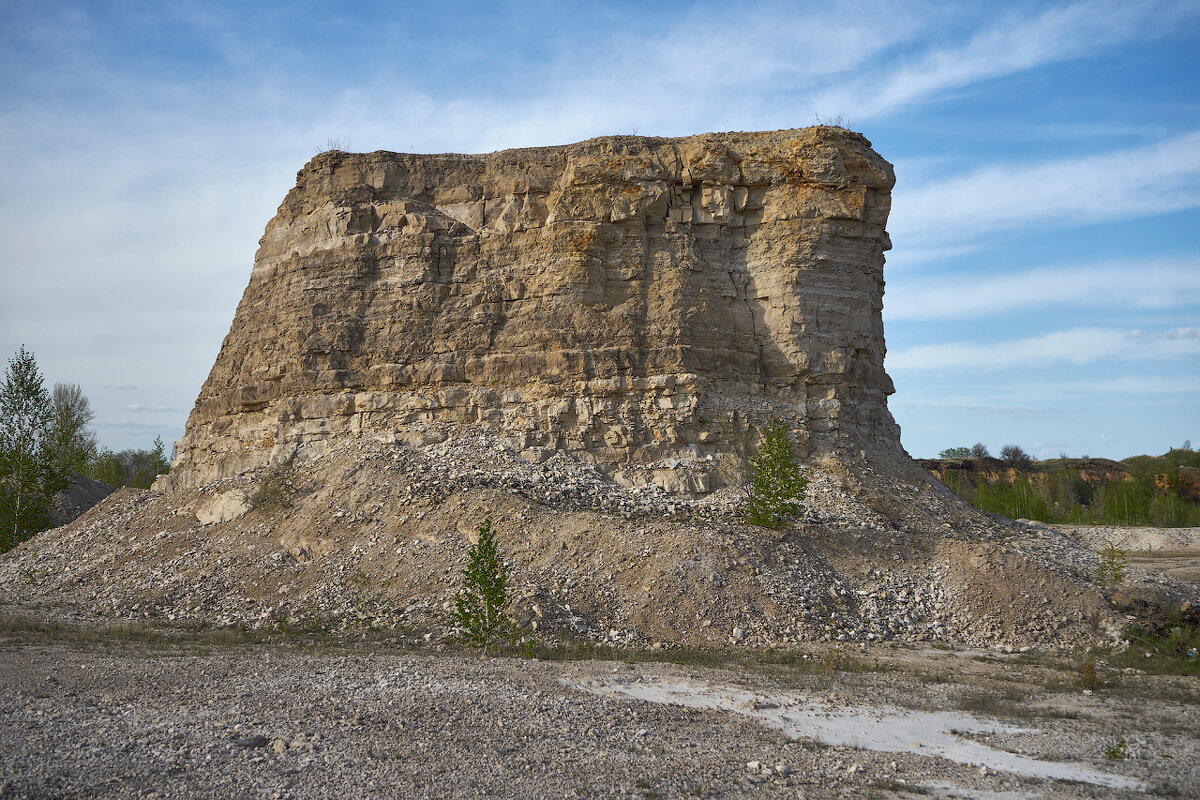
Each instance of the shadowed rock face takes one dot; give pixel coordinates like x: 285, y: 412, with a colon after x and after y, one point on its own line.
x: 646, y: 304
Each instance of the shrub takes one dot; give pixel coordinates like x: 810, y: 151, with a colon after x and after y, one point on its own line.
x: 776, y: 485
x: 479, y: 608
x: 834, y: 121
x: 952, y: 453
x: 275, y: 490
x: 1015, y: 456
x: 333, y: 145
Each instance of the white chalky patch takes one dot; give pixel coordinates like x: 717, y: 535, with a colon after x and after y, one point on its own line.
x: 881, y: 728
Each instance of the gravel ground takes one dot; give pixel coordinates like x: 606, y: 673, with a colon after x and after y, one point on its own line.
x: 183, y: 644
x: 99, y: 713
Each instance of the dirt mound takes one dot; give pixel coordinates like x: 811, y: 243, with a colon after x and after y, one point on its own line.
x: 375, y: 533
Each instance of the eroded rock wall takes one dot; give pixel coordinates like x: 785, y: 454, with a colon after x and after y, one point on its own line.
x: 646, y: 304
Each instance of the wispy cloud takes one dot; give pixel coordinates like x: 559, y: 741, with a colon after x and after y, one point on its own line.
x: 145, y: 429
x: 1161, y: 386
x: 1014, y: 43
x: 985, y: 408
x: 1136, y: 182
x: 1074, y: 346
x: 1121, y: 285
x: 1177, y: 333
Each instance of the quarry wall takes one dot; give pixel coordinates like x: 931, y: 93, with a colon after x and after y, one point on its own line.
x: 645, y: 304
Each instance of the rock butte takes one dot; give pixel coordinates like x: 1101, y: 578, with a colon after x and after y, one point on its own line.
x: 444, y: 339
x: 645, y: 304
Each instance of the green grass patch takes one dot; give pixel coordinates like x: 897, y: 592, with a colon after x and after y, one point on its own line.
x: 1169, y: 645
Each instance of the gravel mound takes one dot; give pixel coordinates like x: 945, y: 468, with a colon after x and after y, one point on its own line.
x: 81, y: 494
x: 374, y: 533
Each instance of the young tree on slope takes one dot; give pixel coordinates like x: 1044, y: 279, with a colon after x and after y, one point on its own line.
x: 28, y: 478
x: 479, y: 608
x: 776, y: 485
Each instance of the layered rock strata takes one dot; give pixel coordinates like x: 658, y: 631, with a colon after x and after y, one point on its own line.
x: 644, y: 304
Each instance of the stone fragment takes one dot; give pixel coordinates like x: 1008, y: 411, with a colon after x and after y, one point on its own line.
x: 223, y: 507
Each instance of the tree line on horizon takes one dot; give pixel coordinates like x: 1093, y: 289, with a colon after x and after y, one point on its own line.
x: 1155, y: 490
x: 46, y: 438
x: 1011, y: 454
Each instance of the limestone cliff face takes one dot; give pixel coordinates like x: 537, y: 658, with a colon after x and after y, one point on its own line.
x: 646, y: 304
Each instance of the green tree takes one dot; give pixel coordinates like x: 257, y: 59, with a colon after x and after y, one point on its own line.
x: 776, y: 484
x: 1113, y: 565
x: 71, y: 440
x: 1015, y: 456
x: 28, y: 478
x: 479, y: 608
x: 954, y: 453
x: 137, y: 468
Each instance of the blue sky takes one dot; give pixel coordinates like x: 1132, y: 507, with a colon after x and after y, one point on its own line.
x: 1043, y: 289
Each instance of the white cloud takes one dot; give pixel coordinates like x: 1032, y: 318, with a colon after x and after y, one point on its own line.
x: 1137, y: 182
x: 1182, y: 333
x: 1144, y: 285
x: 1013, y: 44
x: 1074, y: 346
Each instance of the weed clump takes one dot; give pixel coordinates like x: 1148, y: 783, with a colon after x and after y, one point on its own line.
x: 1167, y: 646
x: 1086, y: 677
x: 276, y: 489
x: 371, y: 606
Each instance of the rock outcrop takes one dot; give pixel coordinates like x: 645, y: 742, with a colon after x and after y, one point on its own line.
x: 644, y: 304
